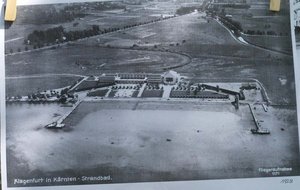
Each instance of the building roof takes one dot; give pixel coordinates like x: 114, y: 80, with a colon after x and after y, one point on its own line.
x: 171, y: 73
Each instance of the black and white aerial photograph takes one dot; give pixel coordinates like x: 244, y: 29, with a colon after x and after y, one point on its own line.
x: 128, y: 91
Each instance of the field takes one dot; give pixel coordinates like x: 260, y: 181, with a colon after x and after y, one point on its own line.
x: 259, y: 19
x: 208, y: 51
x: 128, y: 137
x: 27, y: 85
x: 91, y: 60
x: 277, y: 43
x: 279, y: 24
x: 18, y: 32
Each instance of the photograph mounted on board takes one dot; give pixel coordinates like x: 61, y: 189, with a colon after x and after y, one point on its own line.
x: 149, y: 90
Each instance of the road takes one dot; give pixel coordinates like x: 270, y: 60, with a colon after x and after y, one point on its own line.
x: 14, y: 39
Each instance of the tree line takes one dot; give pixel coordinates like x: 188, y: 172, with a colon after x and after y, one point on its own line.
x: 186, y: 10
x: 57, y: 35
x: 237, y: 6
x: 269, y: 33
x: 231, y: 24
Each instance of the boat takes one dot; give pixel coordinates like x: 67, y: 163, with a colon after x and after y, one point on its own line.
x: 260, y: 131
x: 55, y: 125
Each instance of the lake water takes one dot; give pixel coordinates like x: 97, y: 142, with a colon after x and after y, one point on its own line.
x: 181, y: 142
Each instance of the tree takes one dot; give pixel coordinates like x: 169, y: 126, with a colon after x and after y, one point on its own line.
x: 95, y: 28
x: 63, y: 99
x: 34, y: 96
x: 223, y: 13
x: 64, y: 91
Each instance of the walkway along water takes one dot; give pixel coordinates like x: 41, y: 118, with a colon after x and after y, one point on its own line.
x: 59, y: 123
x: 258, y: 130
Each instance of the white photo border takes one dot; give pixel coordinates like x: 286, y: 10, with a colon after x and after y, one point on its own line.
x: 265, y: 183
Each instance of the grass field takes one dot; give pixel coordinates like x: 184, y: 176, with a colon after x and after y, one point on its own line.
x: 277, y: 43
x: 16, y: 33
x: 213, y: 51
x: 90, y: 60
x: 278, y: 24
x: 25, y: 86
x: 259, y: 18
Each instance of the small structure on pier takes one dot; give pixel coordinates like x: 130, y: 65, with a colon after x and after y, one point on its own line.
x: 55, y: 125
